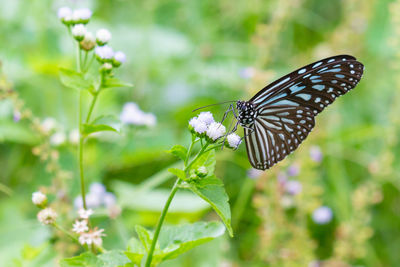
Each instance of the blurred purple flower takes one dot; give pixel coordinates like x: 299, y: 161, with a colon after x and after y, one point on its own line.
x: 247, y: 73
x: 315, y: 154
x: 322, y: 215
x: 282, y: 178
x: 97, y: 188
x: 293, y: 187
x: 293, y: 170
x: 17, y: 116
x: 254, y: 173
x: 109, y: 200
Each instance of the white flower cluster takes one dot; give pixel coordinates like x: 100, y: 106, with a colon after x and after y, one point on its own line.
x: 204, y: 125
x: 234, y: 140
x: 132, y: 114
x: 72, y: 17
x: 86, y: 235
x: 322, y: 215
x: 97, y: 197
x: 76, y: 19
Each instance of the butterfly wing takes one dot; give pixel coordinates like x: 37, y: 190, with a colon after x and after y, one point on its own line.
x: 286, y: 108
x: 314, y: 86
x: 277, y: 132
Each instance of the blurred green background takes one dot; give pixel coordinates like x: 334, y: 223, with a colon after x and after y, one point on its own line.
x: 185, y: 54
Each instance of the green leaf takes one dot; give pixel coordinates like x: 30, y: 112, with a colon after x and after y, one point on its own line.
x: 212, y: 190
x: 175, y: 240
x: 207, y: 160
x: 111, y: 82
x: 135, y: 250
x: 113, y: 258
x: 178, y: 151
x: 178, y: 172
x: 105, y: 119
x: 92, y: 128
x: 86, y: 259
x: 145, y: 236
x: 75, y: 80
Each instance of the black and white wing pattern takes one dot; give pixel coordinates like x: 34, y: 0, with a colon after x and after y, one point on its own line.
x: 285, y: 109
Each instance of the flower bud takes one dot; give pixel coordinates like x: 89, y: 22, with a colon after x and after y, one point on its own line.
x: 104, y: 53
x: 88, y: 42
x: 106, y: 67
x: 197, y: 127
x: 103, y: 36
x: 47, y: 216
x: 215, y: 130
x: 201, y: 171
x: 119, y: 58
x: 65, y: 15
x: 39, y: 199
x: 234, y: 140
x: 81, y: 15
x: 78, y: 32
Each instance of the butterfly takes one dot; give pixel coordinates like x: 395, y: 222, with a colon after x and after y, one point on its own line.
x: 280, y: 116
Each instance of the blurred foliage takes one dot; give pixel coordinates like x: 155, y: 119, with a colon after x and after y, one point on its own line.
x: 182, y: 55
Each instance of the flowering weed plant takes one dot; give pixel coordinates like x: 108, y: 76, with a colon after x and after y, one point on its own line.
x: 196, y: 171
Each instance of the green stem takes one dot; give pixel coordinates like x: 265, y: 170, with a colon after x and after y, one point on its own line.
x: 78, y: 58
x: 189, y: 150
x: 161, y: 221
x: 80, y: 153
x: 85, y: 61
x: 65, y: 232
x: 170, y: 197
x: 94, y: 99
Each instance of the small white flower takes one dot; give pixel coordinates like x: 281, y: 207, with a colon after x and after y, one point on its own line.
x: 48, y: 125
x: 81, y: 15
x: 39, y: 199
x: 88, y: 42
x: 131, y: 114
x: 104, y: 52
x: 58, y: 139
x: 92, y: 237
x: 103, y: 36
x: 78, y: 31
x: 322, y: 215
x: 47, y: 216
x: 85, y: 214
x: 198, y: 126
x: 64, y: 14
x: 234, y: 140
x: 215, y: 130
x: 74, y: 136
x: 201, y: 171
x: 206, y: 117
x: 293, y: 187
x: 80, y: 226
x: 109, y: 200
x: 120, y: 56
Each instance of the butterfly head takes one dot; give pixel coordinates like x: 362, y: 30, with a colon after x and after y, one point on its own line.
x: 247, y: 113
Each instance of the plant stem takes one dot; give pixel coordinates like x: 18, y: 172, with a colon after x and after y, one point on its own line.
x: 94, y: 99
x: 78, y: 58
x: 161, y: 220
x: 170, y: 197
x: 65, y: 232
x: 80, y: 153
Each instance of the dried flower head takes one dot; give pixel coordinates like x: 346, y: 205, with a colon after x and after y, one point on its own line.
x: 88, y: 42
x: 47, y: 216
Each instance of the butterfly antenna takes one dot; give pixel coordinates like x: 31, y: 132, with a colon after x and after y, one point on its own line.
x: 213, y: 105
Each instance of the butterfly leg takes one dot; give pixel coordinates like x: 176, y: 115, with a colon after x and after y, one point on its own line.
x: 231, y: 108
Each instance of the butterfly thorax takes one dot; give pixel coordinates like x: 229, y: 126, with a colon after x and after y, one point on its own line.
x: 247, y: 113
